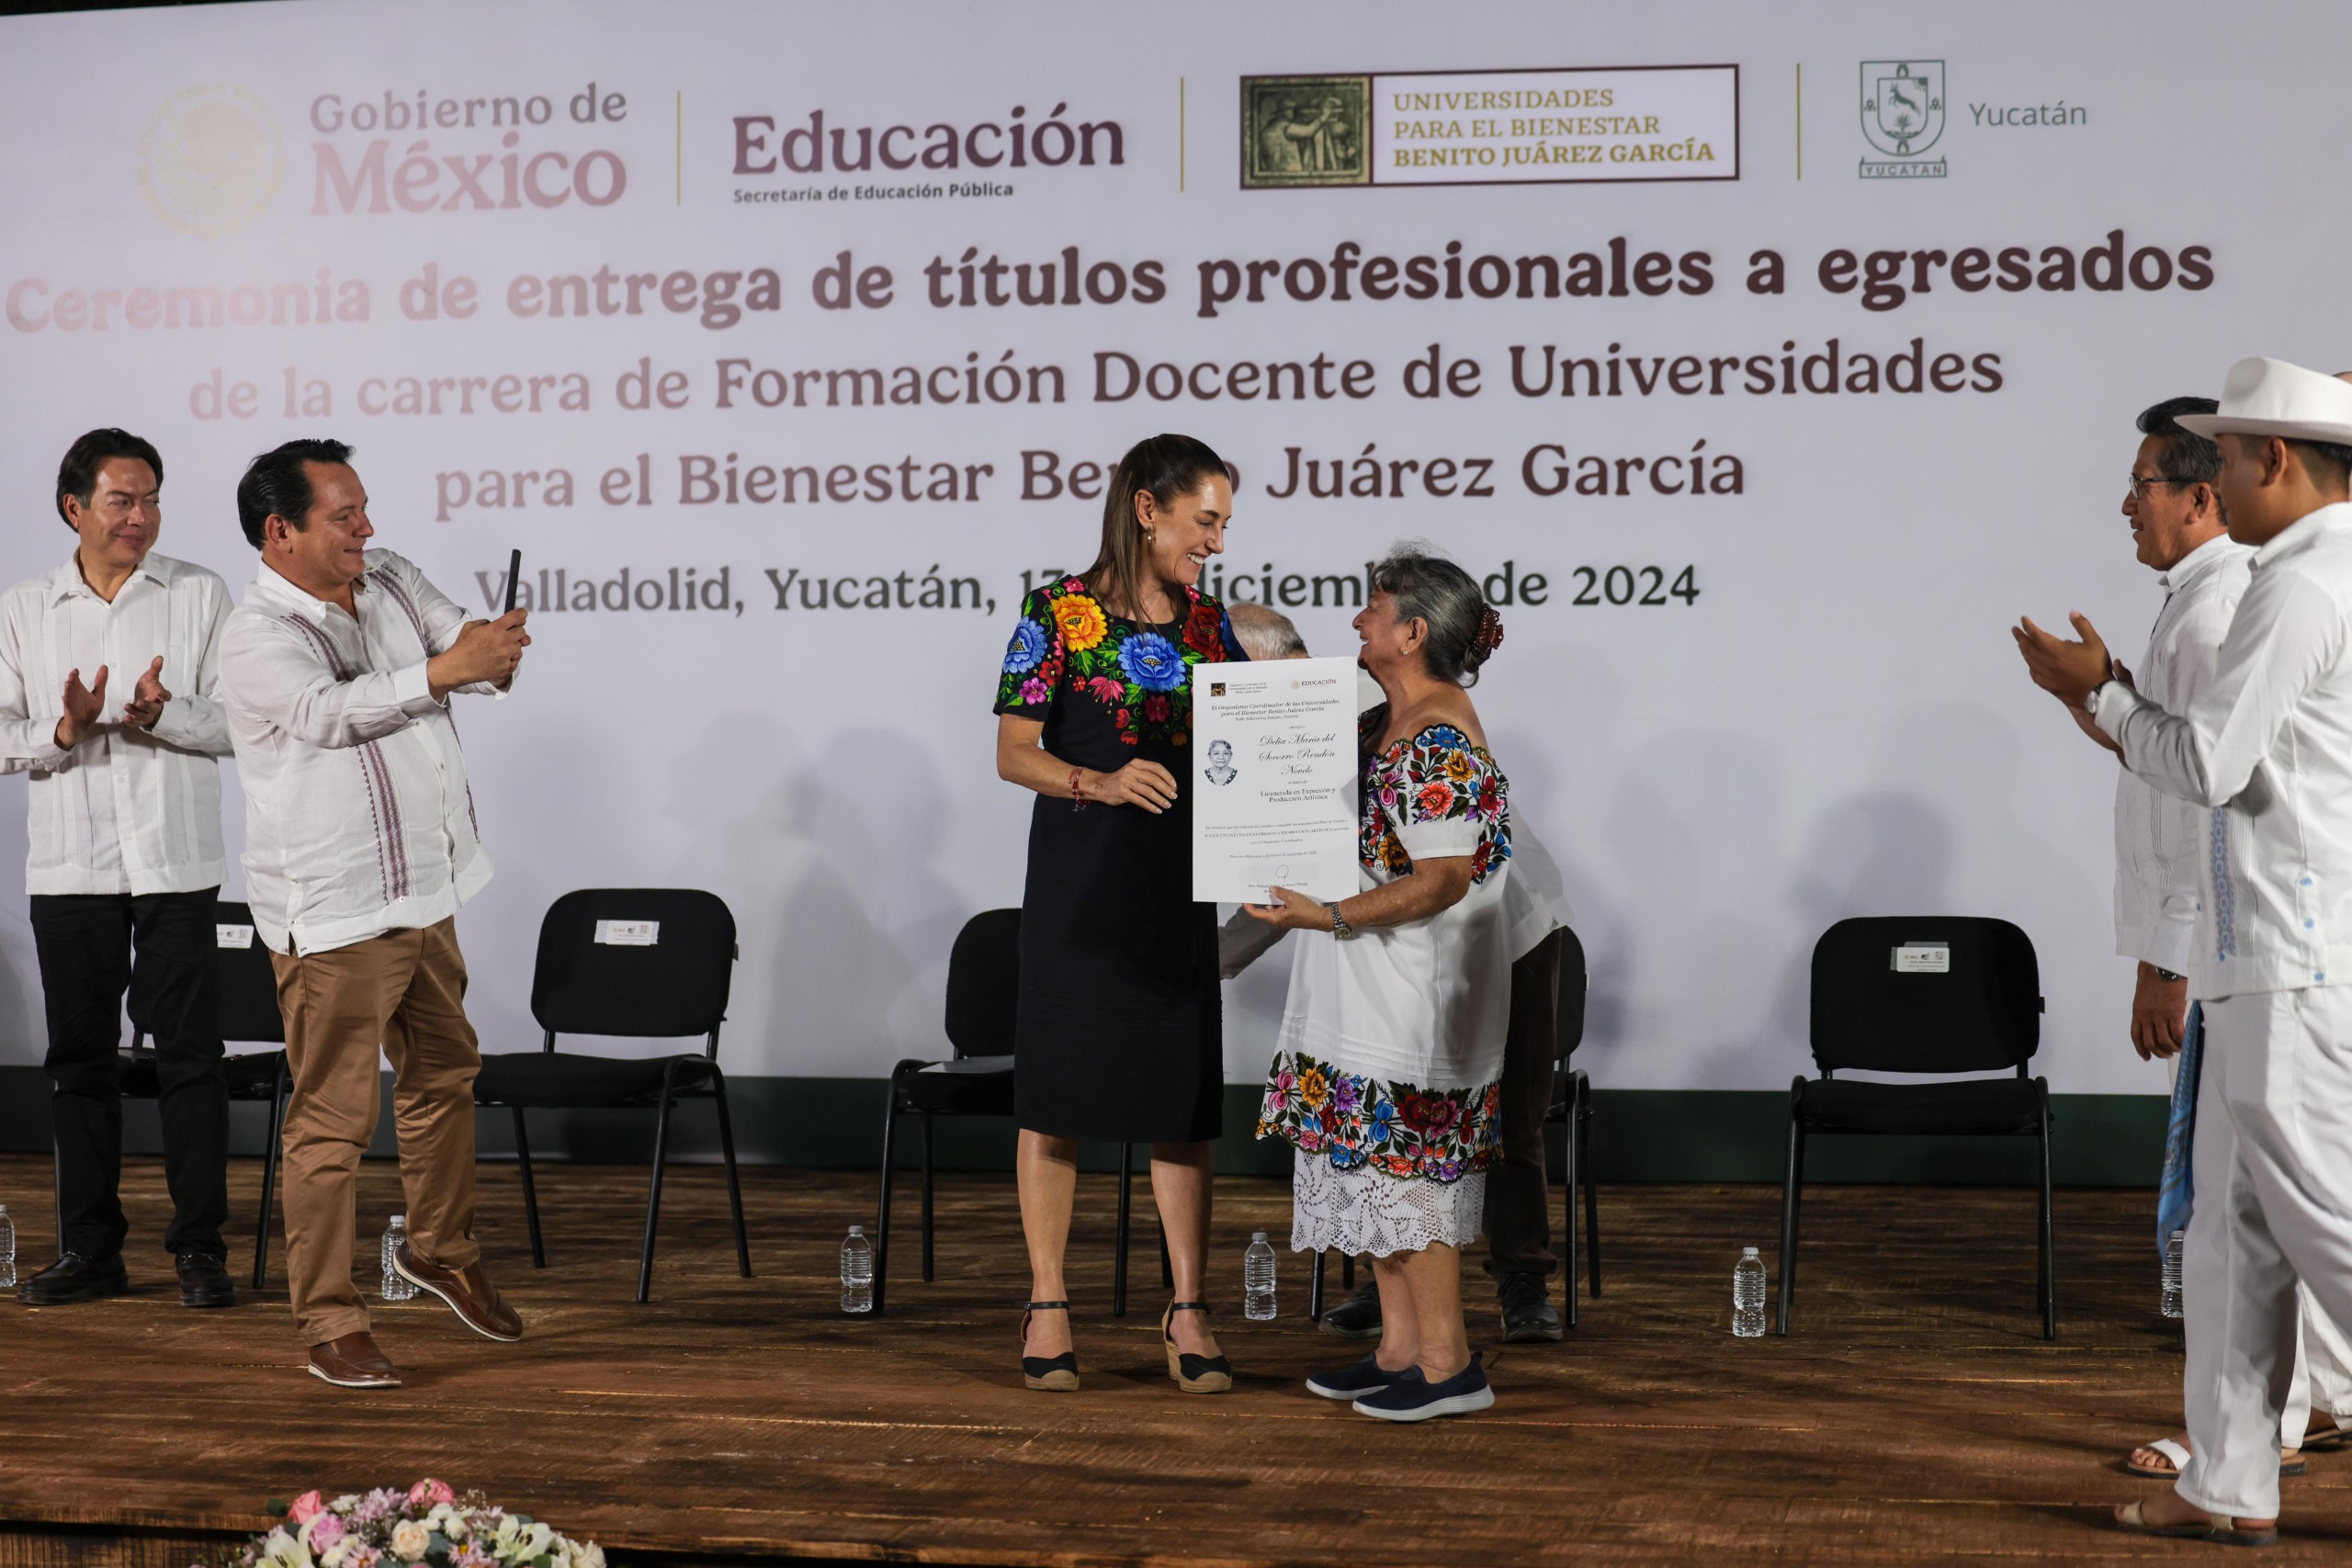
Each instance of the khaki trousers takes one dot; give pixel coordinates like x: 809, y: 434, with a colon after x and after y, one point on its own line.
x: 405, y: 991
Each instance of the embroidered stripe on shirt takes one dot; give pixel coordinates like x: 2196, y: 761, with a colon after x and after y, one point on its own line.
x: 2225, y: 936
x: 401, y: 597
x: 384, y: 802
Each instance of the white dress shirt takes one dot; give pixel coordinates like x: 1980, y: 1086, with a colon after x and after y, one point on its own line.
x: 2161, y: 842
x: 2267, y: 750
x: 358, y: 818
x: 128, y: 810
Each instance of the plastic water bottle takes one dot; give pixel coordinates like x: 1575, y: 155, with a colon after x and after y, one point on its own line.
x: 396, y: 1285
x: 7, y: 1250
x: 1747, y: 1295
x: 1258, y: 1278
x: 2171, y: 1275
x: 857, y: 1271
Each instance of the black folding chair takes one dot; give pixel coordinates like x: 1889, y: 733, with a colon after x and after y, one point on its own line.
x: 644, y: 963
x: 1572, y: 1106
x: 983, y: 1001
x: 1939, y: 994
x: 1571, y: 1103
x: 249, y: 1015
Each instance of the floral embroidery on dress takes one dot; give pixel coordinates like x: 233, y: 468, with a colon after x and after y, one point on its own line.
x: 1396, y: 1129
x: 1136, y: 672
x: 1431, y: 777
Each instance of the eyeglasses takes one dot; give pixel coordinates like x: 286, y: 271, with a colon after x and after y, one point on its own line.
x: 2140, y: 483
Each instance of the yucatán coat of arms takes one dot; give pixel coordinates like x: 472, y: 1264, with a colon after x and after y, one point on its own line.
x: 1902, y: 105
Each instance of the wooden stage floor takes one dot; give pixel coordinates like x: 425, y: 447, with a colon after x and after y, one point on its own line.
x: 1915, y: 1416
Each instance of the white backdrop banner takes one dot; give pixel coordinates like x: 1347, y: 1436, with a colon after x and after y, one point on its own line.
x: 1765, y: 362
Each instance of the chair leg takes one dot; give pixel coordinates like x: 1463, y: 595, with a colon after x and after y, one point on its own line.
x: 1792, y: 1192
x: 1119, y: 1262
x: 1568, y: 1212
x: 268, y: 1176
x: 1315, y: 1290
x: 927, y: 1120
x: 882, y: 1204
x: 1167, y: 1264
x: 653, y: 1195
x: 2048, y: 1238
x: 1347, y: 1271
x: 1591, y: 1192
x: 530, y: 1189
x: 734, y: 1184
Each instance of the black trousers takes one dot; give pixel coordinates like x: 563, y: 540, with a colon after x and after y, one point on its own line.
x: 1519, y: 1220
x: 162, y: 948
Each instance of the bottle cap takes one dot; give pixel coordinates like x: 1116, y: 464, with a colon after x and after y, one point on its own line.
x: 1747, y: 1252
x: 401, y: 1220
x: 857, y: 1230
x: 1256, y: 1237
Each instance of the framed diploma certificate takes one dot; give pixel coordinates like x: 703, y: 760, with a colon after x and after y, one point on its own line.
x: 1274, y: 779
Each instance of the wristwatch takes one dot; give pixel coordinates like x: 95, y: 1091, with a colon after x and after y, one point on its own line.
x: 2167, y: 976
x: 2090, y: 703
x: 1340, y: 926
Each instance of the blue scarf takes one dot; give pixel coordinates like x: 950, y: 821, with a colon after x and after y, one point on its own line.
x: 2176, y: 1194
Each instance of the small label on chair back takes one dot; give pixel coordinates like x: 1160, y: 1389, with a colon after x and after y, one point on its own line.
x: 628, y: 933
x: 233, y: 936
x: 1923, y: 958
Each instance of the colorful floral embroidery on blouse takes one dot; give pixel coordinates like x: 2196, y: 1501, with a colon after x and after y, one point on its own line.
x: 1138, y: 673
x: 1396, y: 1129
x: 1431, y: 777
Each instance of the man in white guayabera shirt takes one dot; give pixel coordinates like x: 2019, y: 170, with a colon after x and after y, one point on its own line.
x: 109, y: 679
x: 361, y: 845
x: 2161, y: 853
x: 2267, y: 750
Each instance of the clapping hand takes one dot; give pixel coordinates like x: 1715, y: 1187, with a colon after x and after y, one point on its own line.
x: 2070, y: 671
x: 83, y: 706
x: 147, y: 700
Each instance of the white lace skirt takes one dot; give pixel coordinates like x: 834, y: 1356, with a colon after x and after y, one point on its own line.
x: 1361, y: 1210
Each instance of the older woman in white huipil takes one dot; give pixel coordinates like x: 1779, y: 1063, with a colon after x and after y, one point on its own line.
x: 1387, y: 1079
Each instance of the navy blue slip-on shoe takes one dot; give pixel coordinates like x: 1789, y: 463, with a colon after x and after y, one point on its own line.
x: 1351, y: 1383
x: 1409, y: 1396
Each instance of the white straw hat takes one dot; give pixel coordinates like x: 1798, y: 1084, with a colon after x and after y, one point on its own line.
x: 2270, y: 397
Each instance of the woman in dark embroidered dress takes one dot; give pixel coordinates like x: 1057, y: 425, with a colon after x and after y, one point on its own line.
x: 1119, y: 1036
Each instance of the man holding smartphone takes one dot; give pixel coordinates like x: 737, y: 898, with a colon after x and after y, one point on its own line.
x: 360, y: 846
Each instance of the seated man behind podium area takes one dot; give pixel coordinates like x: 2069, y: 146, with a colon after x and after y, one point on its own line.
x: 1519, y: 1227
x: 361, y: 845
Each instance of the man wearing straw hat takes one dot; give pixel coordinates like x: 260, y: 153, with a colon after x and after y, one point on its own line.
x: 2267, y: 750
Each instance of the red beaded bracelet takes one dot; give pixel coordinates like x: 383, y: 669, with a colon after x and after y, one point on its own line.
x: 1076, y: 789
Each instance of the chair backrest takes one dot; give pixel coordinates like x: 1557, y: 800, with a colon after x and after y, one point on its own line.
x: 1925, y: 994
x: 650, y: 961
x: 1573, y: 986
x: 248, y: 983
x: 984, y: 984
x: 248, y: 979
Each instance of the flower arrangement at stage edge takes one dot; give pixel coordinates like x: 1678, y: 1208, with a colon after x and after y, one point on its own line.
x: 428, y: 1524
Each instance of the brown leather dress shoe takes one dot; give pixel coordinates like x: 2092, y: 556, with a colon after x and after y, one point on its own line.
x: 467, y: 1290
x: 353, y: 1361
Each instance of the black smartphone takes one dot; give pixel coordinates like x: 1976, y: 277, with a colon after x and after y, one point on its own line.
x: 514, y: 578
